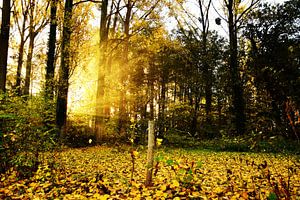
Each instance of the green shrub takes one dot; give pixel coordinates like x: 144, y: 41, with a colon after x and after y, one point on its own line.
x: 23, y: 133
x: 79, y: 134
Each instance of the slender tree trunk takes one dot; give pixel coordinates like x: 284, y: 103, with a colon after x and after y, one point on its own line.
x: 99, y: 123
x: 107, y: 107
x: 32, y: 35
x: 122, y: 105
x: 208, y: 81
x: 63, y: 86
x: 162, y: 101
x: 151, y: 100
x: 175, y: 91
x: 50, y: 68
x: 237, y: 88
x: 20, y: 59
x: 29, y: 63
x: 204, y: 11
x: 195, y: 116
x: 4, y: 39
x: 219, y: 106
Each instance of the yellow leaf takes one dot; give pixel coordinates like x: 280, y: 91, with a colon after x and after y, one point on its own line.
x: 163, y: 188
x: 135, y: 153
x: 101, y: 197
x: 48, y: 174
x: 6, y: 191
x: 33, y: 184
x: 174, y: 184
x: 195, y: 194
x: 159, y: 141
x: 96, y: 195
x: 159, y: 193
x: 218, y: 190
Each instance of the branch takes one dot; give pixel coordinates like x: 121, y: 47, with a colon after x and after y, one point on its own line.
x: 204, y: 16
x: 219, y: 13
x: 207, y: 11
x: 84, y: 1
x: 253, y: 3
x: 189, y: 15
x: 146, y: 14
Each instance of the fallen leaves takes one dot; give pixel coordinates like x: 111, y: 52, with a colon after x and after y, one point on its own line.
x: 105, y: 173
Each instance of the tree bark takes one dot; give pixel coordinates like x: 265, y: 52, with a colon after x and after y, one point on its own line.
x: 50, y: 68
x: 162, y: 100
x: 32, y: 35
x: 29, y: 63
x: 150, y: 153
x: 63, y: 86
x: 99, y: 122
x: 236, y: 82
x: 4, y: 39
x: 207, y: 68
x: 20, y: 59
x: 122, y: 104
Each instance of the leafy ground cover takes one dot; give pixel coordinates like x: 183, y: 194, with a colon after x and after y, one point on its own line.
x: 104, y: 172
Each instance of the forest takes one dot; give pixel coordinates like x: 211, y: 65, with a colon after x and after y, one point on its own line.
x: 150, y: 99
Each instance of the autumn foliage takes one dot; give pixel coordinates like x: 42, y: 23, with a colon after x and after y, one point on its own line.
x: 105, y: 173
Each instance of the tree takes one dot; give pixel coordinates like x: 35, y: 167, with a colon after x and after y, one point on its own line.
x: 234, y: 14
x: 99, y: 122
x: 63, y: 84
x: 4, y: 39
x: 272, y: 32
x: 208, y: 72
x: 74, y: 35
x: 21, y: 19
x: 37, y: 21
x: 50, y: 68
x: 122, y: 104
x: 121, y: 29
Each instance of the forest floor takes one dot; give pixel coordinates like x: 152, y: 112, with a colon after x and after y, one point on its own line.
x: 103, y: 172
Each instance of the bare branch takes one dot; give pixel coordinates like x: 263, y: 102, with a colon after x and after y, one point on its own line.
x: 84, y: 1
x: 253, y: 3
x: 207, y: 11
x: 146, y: 14
x: 204, y: 15
x: 219, y: 13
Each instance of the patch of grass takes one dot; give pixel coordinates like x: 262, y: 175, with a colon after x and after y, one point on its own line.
x: 239, y: 144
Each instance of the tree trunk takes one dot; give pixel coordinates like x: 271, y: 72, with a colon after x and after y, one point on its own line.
x: 20, y: 58
x: 4, y: 38
x: 207, y: 68
x: 150, y: 153
x: 99, y: 123
x: 237, y: 88
x: 50, y: 68
x: 162, y: 101
x: 122, y: 104
x: 150, y: 83
x: 208, y: 81
x: 63, y: 86
x: 195, y: 116
x: 29, y: 63
x: 32, y: 35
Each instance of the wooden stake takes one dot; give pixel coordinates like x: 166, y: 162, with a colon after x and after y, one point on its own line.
x: 150, y: 153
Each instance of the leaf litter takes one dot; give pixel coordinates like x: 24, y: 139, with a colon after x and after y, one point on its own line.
x: 106, y: 173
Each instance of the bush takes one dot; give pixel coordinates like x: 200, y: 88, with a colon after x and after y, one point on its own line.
x: 23, y: 133
x: 79, y: 134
